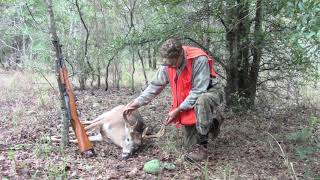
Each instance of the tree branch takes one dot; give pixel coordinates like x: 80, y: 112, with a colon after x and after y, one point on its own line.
x: 87, y: 36
x: 207, y: 50
x: 3, y: 42
x: 222, y: 21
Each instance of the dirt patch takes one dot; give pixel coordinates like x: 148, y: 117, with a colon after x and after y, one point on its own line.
x: 244, y: 149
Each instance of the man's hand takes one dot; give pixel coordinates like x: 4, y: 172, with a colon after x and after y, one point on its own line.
x: 172, y: 115
x: 131, y: 107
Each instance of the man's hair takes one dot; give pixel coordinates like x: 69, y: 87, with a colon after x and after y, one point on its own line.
x: 171, y: 48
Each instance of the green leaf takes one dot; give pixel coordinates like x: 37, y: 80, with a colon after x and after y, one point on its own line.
x: 303, y: 152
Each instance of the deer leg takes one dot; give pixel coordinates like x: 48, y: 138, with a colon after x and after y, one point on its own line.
x: 94, y: 126
x: 58, y: 139
x: 97, y: 137
x: 99, y: 118
x: 86, y: 122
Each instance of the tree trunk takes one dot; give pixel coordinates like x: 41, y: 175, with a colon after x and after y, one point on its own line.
x: 99, y: 76
x: 207, y: 36
x: 55, y: 41
x: 149, y: 57
x: 92, y: 80
x: 133, y: 71
x: 107, y: 71
x: 143, y: 69
x: 243, y: 56
x: 82, y: 81
x: 24, y: 54
x: 2, y: 64
x: 86, y: 58
x: 238, y: 45
x: 232, y: 73
x: 118, y: 76
x: 242, y: 76
x: 99, y: 38
x: 107, y: 76
x: 154, y: 62
x: 68, y: 46
x: 114, y: 73
x: 257, y: 52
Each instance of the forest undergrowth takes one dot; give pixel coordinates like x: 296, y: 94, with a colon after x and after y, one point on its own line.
x: 277, y: 142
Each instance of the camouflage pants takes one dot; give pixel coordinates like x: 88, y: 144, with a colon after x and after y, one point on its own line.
x: 208, y: 108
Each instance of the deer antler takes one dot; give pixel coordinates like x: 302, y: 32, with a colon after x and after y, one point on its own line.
x: 157, y: 135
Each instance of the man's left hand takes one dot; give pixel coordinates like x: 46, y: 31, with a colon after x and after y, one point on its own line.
x: 172, y: 115
x: 132, y: 106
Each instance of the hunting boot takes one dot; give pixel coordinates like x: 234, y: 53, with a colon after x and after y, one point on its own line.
x: 199, y: 152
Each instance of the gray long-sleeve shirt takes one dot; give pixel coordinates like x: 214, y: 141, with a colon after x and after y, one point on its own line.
x: 200, y: 82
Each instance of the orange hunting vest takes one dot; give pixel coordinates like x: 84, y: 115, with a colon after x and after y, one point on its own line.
x: 181, y: 86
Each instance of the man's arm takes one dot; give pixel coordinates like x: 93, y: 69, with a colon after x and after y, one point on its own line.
x: 155, y: 87
x: 200, y: 82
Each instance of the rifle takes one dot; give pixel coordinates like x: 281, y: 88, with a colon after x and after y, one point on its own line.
x: 66, y: 94
x: 84, y: 144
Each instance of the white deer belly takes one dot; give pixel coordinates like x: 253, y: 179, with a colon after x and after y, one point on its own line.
x: 114, y: 133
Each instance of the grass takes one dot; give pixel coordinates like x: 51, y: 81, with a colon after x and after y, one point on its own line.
x: 205, y: 171
x: 24, y: 93
x: 43, y: 147
x: 9, y: 87
x: 43, y: 98
x: 170, y: 142
x: 57, y: 171
x: 16, y: 114
x: 304, y: 144
x: 227, y: 172
x: 311, y: 94
x: 53, y: 168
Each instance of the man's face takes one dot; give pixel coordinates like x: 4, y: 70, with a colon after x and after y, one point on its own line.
x: 174, y: 62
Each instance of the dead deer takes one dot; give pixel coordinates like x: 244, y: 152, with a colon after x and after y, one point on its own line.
x: 125, y: 132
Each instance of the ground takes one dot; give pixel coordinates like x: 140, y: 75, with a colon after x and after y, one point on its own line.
x: 253, y: 145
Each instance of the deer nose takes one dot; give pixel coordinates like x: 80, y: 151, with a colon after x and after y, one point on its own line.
x: 125, y: 155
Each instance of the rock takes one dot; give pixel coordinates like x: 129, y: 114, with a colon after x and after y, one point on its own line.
x: 168, y: 166
x: 155, y: 166
x: 152, y: 167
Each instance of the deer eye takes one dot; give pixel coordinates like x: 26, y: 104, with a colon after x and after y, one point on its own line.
x: 128, y: 139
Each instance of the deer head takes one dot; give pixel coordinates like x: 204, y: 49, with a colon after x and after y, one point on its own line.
x: 133, y: 130
x: 135, y: 133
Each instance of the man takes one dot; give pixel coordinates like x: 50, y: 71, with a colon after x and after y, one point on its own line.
x: 196, y: 92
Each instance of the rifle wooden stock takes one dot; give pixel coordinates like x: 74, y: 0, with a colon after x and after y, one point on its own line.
x: 83, y: 141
